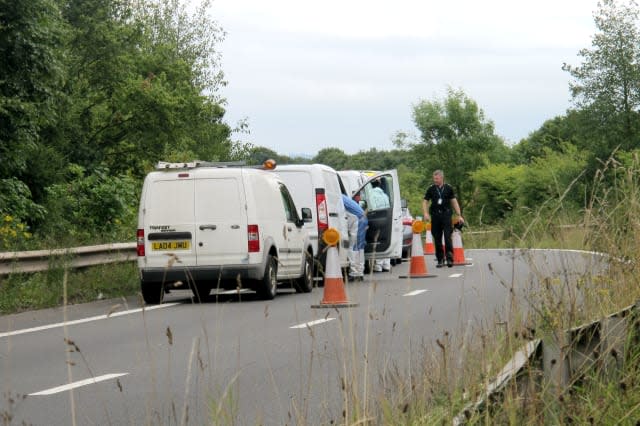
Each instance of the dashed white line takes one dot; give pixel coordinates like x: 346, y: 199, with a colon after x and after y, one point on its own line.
x: 455, y: 275
x: 312, y: 323
x: 415, y: 292
x: 78, y: 384
x: 83, y: 320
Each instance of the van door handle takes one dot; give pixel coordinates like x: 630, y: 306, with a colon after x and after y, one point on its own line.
x: 203, y: 227
x: 235, y: 226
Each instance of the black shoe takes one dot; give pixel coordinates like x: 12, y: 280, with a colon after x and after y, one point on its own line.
x: 449, y: 263
x: 440, y: 264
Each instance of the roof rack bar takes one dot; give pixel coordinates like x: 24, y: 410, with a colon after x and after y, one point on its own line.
x: 163, y: 165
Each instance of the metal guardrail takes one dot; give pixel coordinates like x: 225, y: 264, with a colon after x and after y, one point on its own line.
x: 77, y: 257
x: 563, y: 358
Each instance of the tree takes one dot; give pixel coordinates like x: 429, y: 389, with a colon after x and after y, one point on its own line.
x: 457, y: 138
x: 141, y: 86
x: 31, y: 32
x: 333, y: 157
x: 607, y: 83
x: 553, y: 134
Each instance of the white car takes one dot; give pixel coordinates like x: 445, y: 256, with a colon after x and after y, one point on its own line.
x: 206, y: 225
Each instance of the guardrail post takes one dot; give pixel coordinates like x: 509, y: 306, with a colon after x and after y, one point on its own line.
x: 615, y: 332
x: 555, y: 360
x: 555, y: 370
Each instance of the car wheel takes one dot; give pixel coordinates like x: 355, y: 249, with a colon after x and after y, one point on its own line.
x: 304, y: 284
x: 152, y: 292
x: 268, y: 286
x: 201, y: 291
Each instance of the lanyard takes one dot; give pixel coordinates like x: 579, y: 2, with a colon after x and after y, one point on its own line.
x: 440, y: 192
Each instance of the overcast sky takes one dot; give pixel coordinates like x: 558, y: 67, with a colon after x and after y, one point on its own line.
x: 346, y: 74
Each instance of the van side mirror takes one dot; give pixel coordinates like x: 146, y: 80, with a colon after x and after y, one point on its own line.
x: 403, y: 203
x: 306, y: 214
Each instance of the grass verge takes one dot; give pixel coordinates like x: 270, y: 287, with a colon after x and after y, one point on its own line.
x: 24, y: 292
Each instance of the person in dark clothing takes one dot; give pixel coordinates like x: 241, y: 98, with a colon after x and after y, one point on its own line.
x: 438, y: 205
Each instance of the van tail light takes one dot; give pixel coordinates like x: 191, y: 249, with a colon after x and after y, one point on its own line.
x: 253, y: 238
x: 407, y: 221
x: 323, y: 215
x: 140, y: 242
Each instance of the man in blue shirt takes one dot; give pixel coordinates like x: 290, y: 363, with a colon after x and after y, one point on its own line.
x: 357, y: 221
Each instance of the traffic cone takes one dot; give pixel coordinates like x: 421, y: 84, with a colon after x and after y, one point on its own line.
x: 334, y: 294
x: 458, y: 251
x: 417, y: 265
x: 429, y: 247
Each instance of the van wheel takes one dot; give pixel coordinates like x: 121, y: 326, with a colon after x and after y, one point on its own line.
x: 304, y: 284
x: 268, y: 286
x: 152, y: 292
x: 201, y: 291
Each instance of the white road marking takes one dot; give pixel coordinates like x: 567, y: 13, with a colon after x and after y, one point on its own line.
x: 415, y: 292
x: 242, y: 290
x: 83, y: 320
x: 455, y: 275
x: 312, y: 323
x: 74, y: 385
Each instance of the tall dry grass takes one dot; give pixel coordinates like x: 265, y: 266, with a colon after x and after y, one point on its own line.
x: 439, y: 381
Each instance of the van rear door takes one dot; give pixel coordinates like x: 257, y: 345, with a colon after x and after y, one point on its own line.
x: 168, y: 220
x: 220, y: 222
x: 384, y: 235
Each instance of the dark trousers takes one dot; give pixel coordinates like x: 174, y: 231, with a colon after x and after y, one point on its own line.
x: 441, y: 225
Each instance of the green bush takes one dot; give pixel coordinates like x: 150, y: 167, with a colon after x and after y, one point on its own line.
x: 90, y: 208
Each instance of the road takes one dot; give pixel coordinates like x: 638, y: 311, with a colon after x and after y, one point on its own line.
x: 238, y: 360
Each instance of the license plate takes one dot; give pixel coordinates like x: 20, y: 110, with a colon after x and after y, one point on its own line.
x: 171, y: 245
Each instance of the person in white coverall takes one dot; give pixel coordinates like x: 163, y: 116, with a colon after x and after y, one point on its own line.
x: 357, y: 223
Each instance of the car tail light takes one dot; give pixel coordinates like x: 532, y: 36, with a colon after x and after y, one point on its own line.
x: 323, y: 215
x: 253, y: 238
x: 140, y: 242
x: 407, y: 221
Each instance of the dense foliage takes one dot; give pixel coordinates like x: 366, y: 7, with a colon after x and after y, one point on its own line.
x: 93, y: 93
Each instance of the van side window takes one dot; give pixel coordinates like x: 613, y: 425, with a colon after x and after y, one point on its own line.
x: 386, y: 183
x: 375, y: 196
x: 289, y: 206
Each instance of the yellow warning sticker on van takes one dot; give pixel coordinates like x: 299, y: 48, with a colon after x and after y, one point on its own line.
x: 171, y: 245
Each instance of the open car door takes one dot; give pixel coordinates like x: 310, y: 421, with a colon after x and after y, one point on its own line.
x: 379, y: 196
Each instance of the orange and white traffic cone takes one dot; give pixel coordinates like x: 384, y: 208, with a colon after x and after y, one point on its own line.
x: 417, y: 265
x: 458, y: 251
x: 334, y: 293
x: 429, y: 247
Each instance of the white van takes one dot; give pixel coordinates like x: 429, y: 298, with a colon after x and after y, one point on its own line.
x: 352, y: 180
x: 320, y: 188
x: 206, y: 225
